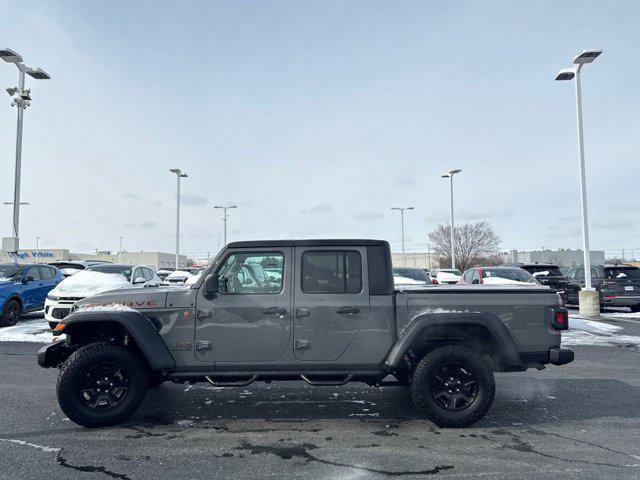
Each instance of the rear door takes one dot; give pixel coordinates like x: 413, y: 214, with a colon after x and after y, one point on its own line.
x: 331, y: 300
x: 33, y: 291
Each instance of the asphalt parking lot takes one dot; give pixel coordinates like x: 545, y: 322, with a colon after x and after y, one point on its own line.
x: 577, y: 421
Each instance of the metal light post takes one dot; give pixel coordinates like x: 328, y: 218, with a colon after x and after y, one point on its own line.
x: 120, y: 250
x: 179, y: 174
x: 401, y: 210
x: 224, y: 218
x: 21, y: 98
x: 587, y: 56
x: 450, y: 175
x: 38, y: 248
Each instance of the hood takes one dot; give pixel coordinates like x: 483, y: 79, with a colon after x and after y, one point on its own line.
x: 87, y: 283
x: 136, y: 298
x: 506, y: 281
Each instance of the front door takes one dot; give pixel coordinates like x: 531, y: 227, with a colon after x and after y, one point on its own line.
x: 331, y: 300
x: 250, y: 319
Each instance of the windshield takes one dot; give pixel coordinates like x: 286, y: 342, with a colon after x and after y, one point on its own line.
x: 622, y: 273
x: 10, y: 272
x: 412, y: 273
x: 542, y: 271
x: 453, y: 272
x: 123, y: 270
x: 516, y: 274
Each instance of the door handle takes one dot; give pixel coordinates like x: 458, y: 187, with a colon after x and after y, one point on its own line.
x: 274, y: 311
x: 303, y: 312
x: 347, y: 310
x: 302, y: 344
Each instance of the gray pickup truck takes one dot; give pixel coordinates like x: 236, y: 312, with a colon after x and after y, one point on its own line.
x: 322, y: 311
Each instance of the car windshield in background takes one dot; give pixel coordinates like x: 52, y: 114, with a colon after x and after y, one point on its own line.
x: 542, y: 271
x: 10, y: 272
x: 622, y: 273
x: 412, y: 273
x: 113, y: 269
x: 454, y: 272
x: 516, y: 274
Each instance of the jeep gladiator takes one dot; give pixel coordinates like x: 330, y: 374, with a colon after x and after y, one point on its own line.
x: 322, y: 311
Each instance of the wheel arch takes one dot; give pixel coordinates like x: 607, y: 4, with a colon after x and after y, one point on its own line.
x: 17, y: 298
x: 83, y: 327
x: 483, y: 331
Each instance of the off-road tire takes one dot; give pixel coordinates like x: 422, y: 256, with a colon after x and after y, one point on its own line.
x: 77, y: 367
x: 10, y: 313
x: 423, y: 378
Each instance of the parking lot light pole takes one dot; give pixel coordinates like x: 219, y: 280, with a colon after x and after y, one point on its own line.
x: 120, y: 250
x: 179, y: 174
x: 450, y: 175
x: 402, y: 210
x: 38, y: 248
x: 587, y: 56
x: 21, y: 98
x: 225, y: 217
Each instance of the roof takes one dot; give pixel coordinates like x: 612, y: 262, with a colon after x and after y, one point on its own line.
x: 308, y: 243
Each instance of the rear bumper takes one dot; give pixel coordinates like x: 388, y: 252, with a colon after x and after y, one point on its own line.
x: 560, y: 356
x: 622, y: 300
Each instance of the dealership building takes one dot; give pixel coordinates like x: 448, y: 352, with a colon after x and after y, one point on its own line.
x: 562, y: 257
x: 157, y: 260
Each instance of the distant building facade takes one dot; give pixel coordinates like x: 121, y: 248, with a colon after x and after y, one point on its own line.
x: 157, y: 260
x: 415, y: 259
x: 562, y: 257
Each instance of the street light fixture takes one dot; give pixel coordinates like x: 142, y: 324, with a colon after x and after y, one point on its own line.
x: 179, y: 174
x: 402, y: 210
x: 224, y: 218
x: 587, y: 56
x: 21, y: 98
x: 450, y: 175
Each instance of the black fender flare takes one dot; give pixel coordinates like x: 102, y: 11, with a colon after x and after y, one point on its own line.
x: 491, y: 322
x: 142, y: 331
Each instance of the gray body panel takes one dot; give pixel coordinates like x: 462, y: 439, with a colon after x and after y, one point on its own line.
x: 232, y: 333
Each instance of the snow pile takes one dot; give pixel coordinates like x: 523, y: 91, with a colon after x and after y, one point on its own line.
x: 36, y: 331
x: 398, y: 280
x: 87, y: 283
x: 110, y: 307
x: 544, y: 273
x: 592, y: 332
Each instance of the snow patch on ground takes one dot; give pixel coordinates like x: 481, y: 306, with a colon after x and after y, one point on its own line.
x: 37, y: 331
x: 32, y: 445
x: 583, y: 331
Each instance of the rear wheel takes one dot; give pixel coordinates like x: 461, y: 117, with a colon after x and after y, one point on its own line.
x: 453, y: 386
x: 10, y: 313
x: 101, y: 384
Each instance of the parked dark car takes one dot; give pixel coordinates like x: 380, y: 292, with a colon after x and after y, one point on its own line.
x: 24, y: 288
x: 548, y: 274
x: 619, y: 285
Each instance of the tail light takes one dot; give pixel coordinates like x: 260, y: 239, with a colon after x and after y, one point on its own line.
x: 434, y: 281
x: 560, y: 319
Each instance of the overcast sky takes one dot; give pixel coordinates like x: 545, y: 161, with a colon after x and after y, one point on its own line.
x: 316, y: 118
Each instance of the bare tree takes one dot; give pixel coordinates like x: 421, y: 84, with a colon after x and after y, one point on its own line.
x: 474, y: 243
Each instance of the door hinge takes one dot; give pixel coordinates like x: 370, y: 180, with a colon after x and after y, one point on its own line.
x: 203, y: 345
x: 302, y: 344
x: 200, y: 314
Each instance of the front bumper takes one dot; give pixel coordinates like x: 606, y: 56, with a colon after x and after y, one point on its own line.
x: 56, y: 310
x: 53, y: 354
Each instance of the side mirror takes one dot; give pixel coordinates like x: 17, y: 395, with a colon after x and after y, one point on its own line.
x: 211, y: 286
x: 475, y: 281
x: 139, y: 280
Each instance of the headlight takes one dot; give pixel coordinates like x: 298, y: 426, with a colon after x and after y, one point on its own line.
x: 51, y: 296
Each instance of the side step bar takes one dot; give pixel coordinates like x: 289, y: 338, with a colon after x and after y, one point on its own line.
x: 231, y: 381
x: 327, y: 381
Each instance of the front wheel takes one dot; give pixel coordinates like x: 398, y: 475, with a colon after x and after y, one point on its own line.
x: 453, y: 386
x: 101, y: 384
x: 10, y: 313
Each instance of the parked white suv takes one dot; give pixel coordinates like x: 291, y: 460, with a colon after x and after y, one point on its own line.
x: 445, y: 275
x: 93, y: 280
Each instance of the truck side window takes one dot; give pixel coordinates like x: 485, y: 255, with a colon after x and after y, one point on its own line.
x: 331, y: 272
x: 252, y: 273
